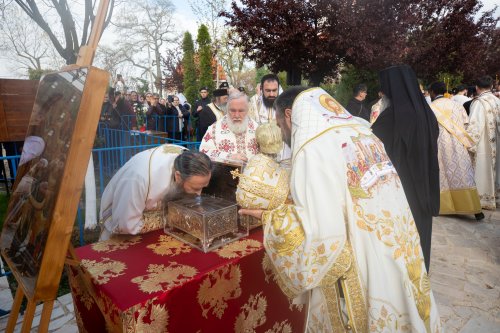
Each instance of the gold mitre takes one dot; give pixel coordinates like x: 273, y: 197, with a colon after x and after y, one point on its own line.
x: 269, y: 138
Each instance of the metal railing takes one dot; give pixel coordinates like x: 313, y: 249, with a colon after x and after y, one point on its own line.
x: 117, y: 147
x: 168, y: 124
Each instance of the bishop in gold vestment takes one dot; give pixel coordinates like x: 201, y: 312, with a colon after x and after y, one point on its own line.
x: 348, y: 245
x: 458, y: 193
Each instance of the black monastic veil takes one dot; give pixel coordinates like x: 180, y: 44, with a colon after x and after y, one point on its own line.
x: 409, y: 130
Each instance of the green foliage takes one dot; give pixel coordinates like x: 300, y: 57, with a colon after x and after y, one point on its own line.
x: 451, y: 80
x: 203, y: 38
x: 205, y: 56
x: 350, y: 77
x: 189, y: 82
x: 330, y: 87
x: 282, y: 77
x: 260, y: 72
x: 36, y: 74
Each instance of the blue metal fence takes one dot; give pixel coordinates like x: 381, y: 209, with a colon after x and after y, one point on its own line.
x: 168, y: 124
x: 117, y: 147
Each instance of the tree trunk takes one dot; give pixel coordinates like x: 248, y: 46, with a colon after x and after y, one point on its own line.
x: 293, y: 76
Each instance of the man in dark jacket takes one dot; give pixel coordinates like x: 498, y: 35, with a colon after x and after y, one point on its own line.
x: 119, y: 112
x: 155, y: 111
x: 178, y: 120
x: 199, y: 105
x: 213, y: 111
x: 356, y: 106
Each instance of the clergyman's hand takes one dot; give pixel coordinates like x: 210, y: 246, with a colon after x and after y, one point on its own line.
x: 238, y: 157
x: 257, y: 213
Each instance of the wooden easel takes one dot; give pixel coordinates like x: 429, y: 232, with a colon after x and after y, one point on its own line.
x: 52, y: 265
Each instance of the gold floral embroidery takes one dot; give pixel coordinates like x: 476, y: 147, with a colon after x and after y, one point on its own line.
x: 387, y: 319
x: 78, y: 289
x: 256, y: 191
x: 158, y: 319
x: 283, y: 227
x: 252, y: 315
x: 405, y: 243
x: 116, y: 242
x: 262, y: 164
x: 219, y: 287
x: 267, y: 268
x: 283, y: 327
x: 163, y: 277
x: 261, y: 190
x: 270, y: 271
x: 421, y: 289
x: 345, y: 270
x: 102, y: 271
x: 153, y: 220
x: 316, y: 325
x: 110, y: 312
x: 240, y: 248
x: 172, y: 149
x: 282, y: 191
x: 79, y: 321
x: 169, y: 246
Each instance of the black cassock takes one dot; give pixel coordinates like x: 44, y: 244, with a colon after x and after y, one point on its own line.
x: 206, y: 118
x: 409, y: 130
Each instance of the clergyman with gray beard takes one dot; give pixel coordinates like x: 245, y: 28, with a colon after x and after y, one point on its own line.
x: 232, y: 138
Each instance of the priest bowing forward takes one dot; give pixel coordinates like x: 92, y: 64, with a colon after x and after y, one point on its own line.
x: 132, y: 200
x: 233, y: 136
x: 348, y: 245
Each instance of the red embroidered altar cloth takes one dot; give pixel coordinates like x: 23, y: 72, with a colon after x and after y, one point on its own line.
x: 155, y: 283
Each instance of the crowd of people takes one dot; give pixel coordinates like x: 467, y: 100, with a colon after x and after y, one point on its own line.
x: 129, y: 110
x: 364, y: 187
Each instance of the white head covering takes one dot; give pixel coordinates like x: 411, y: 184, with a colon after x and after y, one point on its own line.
x: 33, y: 147
x: 315, y: 111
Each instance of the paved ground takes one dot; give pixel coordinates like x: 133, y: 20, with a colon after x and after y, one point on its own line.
x: 465, y: 272
x: 465, y: 277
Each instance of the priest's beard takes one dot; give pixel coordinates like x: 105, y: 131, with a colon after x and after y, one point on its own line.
x: 268, y: 102
x: 237, y: 127
x: 175, y: 192
x: 223, y: 107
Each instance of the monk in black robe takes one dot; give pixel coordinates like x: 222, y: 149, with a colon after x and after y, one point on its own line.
x: 409, y: 130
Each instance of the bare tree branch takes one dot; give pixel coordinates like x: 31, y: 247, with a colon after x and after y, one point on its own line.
x: 69, y: 46
x: 24, y: 43
x: 146, y: 26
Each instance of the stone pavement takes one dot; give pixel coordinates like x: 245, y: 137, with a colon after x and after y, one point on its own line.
x: 465, y: 272
x: 465, y: 278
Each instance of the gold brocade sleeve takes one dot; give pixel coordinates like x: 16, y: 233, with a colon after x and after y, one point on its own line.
x: 298, y: 263
x: 304, y: 239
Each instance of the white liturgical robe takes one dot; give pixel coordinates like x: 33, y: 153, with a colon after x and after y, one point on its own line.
x: 484, y: 128
x: 219, y: 142
x: 350, y: 228
x: 138, y: 187
x: 263, y: 115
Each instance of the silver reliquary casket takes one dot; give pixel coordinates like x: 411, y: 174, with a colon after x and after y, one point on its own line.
x: 204, y: 222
